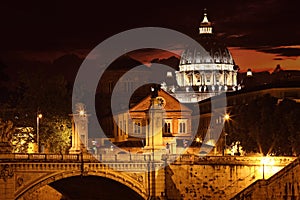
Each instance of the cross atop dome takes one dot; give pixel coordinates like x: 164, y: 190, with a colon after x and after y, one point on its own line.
x: 205, y: 26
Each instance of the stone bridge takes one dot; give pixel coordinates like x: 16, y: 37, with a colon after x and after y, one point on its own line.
x: 144, y: 177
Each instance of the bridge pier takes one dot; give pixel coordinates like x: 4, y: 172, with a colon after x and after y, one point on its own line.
x: 7, y: 184
x: 156, y: 185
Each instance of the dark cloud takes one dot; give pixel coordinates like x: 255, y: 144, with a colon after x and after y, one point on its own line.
x: 278, y: 59
x: 282, y: 52
x: 66, y: 26
x: 261, y: 23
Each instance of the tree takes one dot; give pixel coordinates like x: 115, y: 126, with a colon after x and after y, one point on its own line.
x: 265, y: 126
x: 49, y: 95
x: 253, y: 124
x: 287, y: 128
x: 55, y: 135
x: 22, y: 137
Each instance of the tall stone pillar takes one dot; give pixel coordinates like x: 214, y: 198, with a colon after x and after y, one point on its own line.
x: 79, y: 133
x: 234, y: 78
x: 157, y: 183
x: 154, y: 134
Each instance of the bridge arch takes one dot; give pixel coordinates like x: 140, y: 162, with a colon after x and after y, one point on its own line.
x: 136, y: 185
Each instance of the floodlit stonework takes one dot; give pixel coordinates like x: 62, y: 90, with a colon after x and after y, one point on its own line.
x: 189, y: 177
x: 283, y: 185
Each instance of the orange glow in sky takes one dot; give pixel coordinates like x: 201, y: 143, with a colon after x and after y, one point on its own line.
x: 244, y: 58
x: 259, y: 61
x: 146, y: 57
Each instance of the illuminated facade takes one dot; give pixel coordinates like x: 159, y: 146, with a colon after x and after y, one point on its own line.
x: 176, y: 121
x: 205, y: 72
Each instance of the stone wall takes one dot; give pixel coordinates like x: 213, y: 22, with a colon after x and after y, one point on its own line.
x: 208, y: 181
x: 283, y: 185
x: 186, y: 177
x: 212, y: 181
x: 44, y: 193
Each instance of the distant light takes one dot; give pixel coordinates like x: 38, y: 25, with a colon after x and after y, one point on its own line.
x: 266, y: 160
x: 197, y: 139
x: 81, y: 112
x: 211, y: 142
x: 40, y: 116
x: 226, y: 117
x: 249, y: 72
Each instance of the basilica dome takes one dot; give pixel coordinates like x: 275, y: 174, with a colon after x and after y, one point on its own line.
x: 213, y: 52
x: 205, y: 71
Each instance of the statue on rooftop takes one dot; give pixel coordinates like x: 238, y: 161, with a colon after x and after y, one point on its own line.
x: 6, y: 133
x: 154, y: 91
x: 6, y: 130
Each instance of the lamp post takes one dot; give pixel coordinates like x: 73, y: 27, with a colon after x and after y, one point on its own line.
x: 38, y: 117
x: 264, y: 161
x: 225, y: 134
x: 264, y: 171
x: 198, y: 141
x: 81, y: 113
x: 226, y: 118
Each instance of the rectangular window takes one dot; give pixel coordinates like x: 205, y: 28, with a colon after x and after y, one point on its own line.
x: 182, y: 125
x: 137, y: 128
x: 120, y: 129
x: 117, y: 131
x: 125, y: 127
x: 168, y: 126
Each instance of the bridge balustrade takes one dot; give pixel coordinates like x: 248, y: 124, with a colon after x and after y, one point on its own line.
x: 176, y: 158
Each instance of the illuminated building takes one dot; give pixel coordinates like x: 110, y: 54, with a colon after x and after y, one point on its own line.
x: 176, y: 122
x: 205, y: 72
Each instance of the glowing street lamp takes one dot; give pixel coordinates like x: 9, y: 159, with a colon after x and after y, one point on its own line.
x: 81, y: 113
x: 198, y: 141
x: 38, y: 117
x: 226, y: 118
x: 263, y: 162
x: 267, y: 161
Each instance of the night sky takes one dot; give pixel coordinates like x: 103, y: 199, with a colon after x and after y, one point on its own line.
x: 259, y: 34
